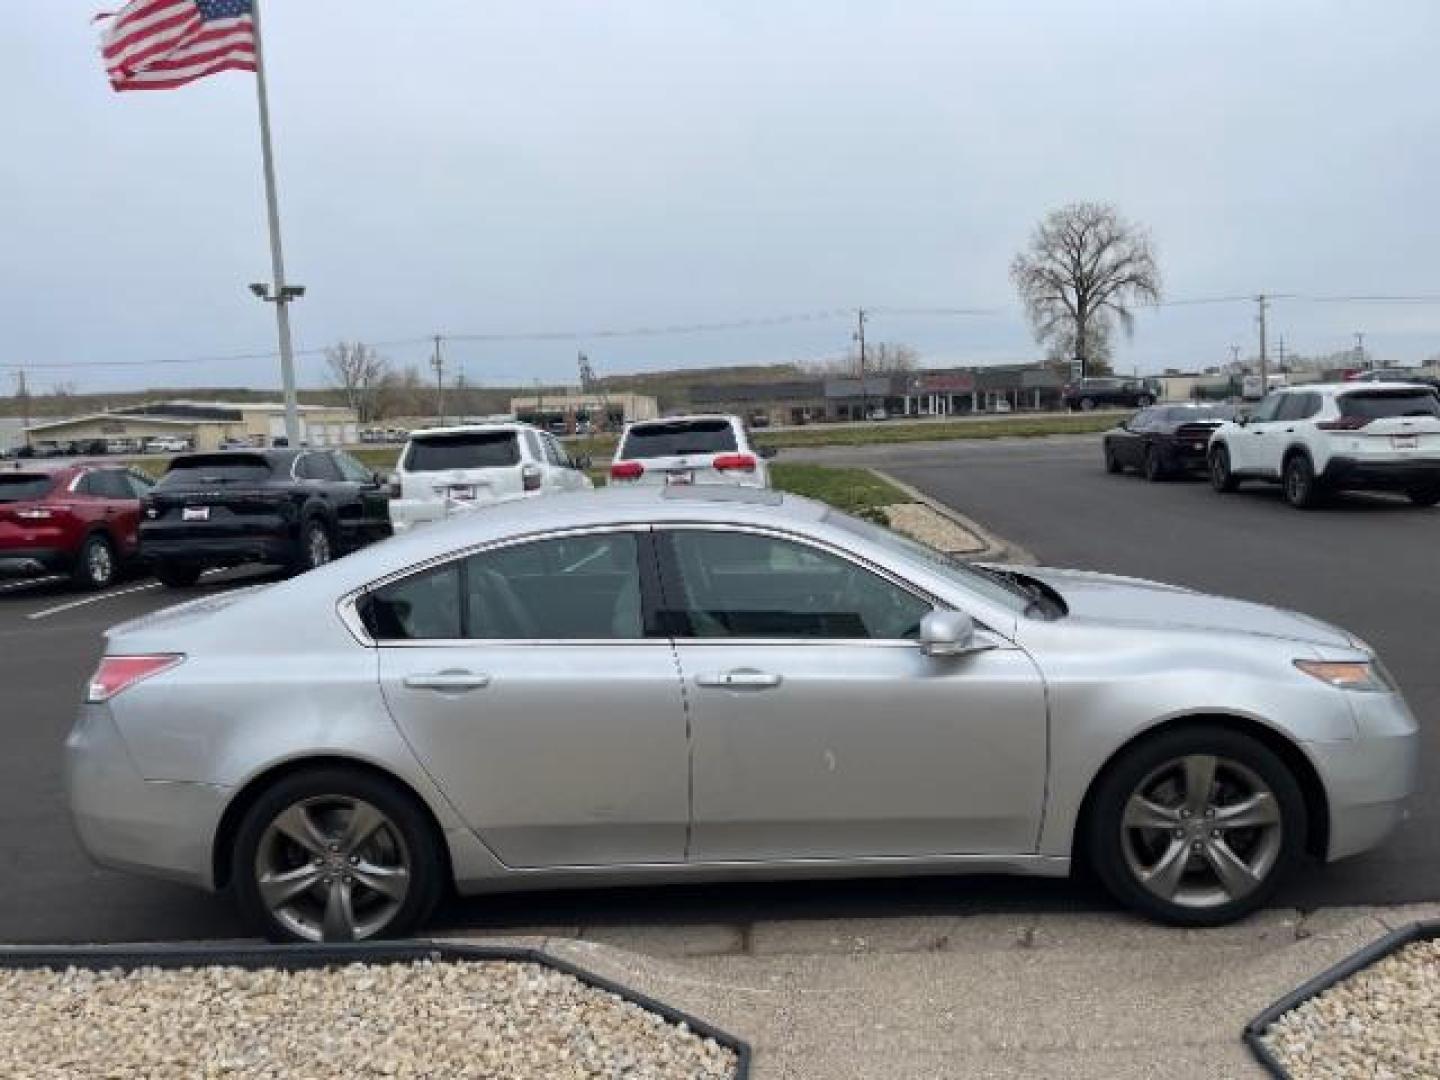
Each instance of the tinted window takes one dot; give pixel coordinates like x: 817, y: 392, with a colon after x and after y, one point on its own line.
x: 568, y: 588
x: 216, y: 468
x: 1267, y: 409
x: 1382, y: 404
x: 110, y: 484
x: 22, y: 487
x: 139, y: 485
x: 532, y: 441
x: 1294, y: 407
x: 682, y: 437
x: 316, y: 467
x: 470, y: 450
x: 735, y: 584
x: 350, y: 469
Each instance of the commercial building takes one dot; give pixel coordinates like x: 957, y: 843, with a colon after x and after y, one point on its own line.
x: 601, y: 410
x: 205, y: 425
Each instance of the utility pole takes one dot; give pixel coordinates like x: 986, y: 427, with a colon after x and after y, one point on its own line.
x: 1281, y: 360
x: 1264, y: 362
x: 22, y: 398
x: 1359, y: 348
x: 860, y: 318
x: 438, y: 363
x: 1235, y: 356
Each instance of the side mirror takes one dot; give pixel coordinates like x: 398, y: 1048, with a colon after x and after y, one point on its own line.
x: 768, y: 452
x: 583, y: 462
x: 948, y: 633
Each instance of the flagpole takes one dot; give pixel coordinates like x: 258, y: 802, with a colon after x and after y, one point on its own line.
x: 283, y: 294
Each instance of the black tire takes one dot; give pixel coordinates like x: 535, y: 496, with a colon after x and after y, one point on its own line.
x: 1221, y: 478
x: 1424, y: 496
x: 177, y: 575
x: 1299, y: 483
x: 1153, y: 467
x: 1112, y: 460
x: 402, y: 812
x: 1087, y: 404
x: 1104, y: 839
x: 96, y: 567
x: 316, y: 546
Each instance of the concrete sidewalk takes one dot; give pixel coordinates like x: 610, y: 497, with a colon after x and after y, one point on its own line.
x: 1092, y: 996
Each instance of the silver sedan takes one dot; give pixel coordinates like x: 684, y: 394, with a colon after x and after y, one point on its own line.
x: 718, y: 684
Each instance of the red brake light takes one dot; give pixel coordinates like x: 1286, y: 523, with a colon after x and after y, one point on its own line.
x: 735, y: 462
x: 117, y: 673
x: 1344, y: 423
x: 627, y: 470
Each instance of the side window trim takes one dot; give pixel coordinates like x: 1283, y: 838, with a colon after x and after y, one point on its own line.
x: 349, y: 606
x: 670, y: 582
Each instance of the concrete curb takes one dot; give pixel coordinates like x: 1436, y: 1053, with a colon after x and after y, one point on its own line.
x: 993, y: 548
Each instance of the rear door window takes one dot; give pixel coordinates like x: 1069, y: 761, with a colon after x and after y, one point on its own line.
x: 110, y: 484
x: 467, y: 450
x: 216, y: 469
x: 24, y: 487
x: 316, y: 467
x: 679, y: 438
x: 1387, y: 404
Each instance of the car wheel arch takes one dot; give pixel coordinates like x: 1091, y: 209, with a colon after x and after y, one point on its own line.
x: 1317, y: 803
x: 248, y: 793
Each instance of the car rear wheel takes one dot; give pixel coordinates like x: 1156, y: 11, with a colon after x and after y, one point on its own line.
x: 1424, y: 496
x: 1221, y: 478
x: 1197, y: 826
x: 335, y: 854
x: 316, y: 548
x: 1302, y: 489
x: 177, y: 575
x: 1112, y: 460
x: 96, y: 567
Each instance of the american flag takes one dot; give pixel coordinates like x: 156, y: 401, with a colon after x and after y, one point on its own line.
x: 162, y: 44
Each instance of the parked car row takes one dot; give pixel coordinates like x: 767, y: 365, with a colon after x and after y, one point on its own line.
x: 1313, y: 440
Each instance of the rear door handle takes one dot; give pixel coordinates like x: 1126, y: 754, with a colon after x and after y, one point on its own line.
x: 739, y: 679
x: 451, y: 681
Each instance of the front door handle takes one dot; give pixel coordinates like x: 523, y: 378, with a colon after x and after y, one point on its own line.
x: 449, y: 681
x: 739, y: 679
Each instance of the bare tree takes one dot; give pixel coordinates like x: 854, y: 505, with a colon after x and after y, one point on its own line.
x: 358, y: 370
x: 881, y: 358
x: 1085, y: 265
x: 1098, y: 349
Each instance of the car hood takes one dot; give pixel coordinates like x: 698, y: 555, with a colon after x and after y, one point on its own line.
x: 1135, y: 602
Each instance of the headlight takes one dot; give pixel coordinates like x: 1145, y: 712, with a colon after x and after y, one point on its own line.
x: 1348, y: 674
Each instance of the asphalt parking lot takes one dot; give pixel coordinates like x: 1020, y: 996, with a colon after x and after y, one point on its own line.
x: 1368, y: 564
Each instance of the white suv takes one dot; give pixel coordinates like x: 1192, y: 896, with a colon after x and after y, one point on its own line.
x: 444, y: 470
x: 690, y: 450
x: 1335, y: 437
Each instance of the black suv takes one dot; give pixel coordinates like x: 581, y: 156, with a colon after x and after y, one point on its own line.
x: 1109, y: 393
x: 295, y: 508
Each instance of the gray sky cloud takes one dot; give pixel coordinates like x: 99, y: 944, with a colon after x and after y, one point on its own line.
x: 553, y: 166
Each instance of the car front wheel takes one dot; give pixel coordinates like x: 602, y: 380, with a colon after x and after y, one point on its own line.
x: 1197, y: 826
x: 1221, y: 478
x: 1112, y: 460
x: 335, y: 854
x: 1154, y: 467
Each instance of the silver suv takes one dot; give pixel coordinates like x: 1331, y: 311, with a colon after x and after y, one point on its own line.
x: 1335, y: 437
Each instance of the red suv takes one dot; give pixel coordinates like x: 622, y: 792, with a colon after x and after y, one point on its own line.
x: 82, y: 520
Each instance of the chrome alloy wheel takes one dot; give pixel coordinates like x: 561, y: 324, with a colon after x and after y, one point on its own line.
x: 100, y: 563
x: 1201, y: 831
x: 318, y: 546
x: 332, y: 868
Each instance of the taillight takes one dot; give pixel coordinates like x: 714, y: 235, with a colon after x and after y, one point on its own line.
x: 734, y: 463
x: 35, y: 513
x: 530, y: 477
x: 1344, y: 423
x: 627, y: 470
x: 117, y: 673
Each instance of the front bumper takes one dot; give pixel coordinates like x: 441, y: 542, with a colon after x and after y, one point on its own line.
x: 1369, y: 780
x: 154, y: 827
x: 1396, y: 475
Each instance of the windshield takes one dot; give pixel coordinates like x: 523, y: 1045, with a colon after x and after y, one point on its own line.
x: 22, y: 487
x: 467, y: 450
x: 682, y: 437
x: 1386, y: 404
x: 216, y: 469
x: 995, y: 587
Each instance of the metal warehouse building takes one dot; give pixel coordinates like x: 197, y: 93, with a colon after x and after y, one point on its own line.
x: 205, y: 423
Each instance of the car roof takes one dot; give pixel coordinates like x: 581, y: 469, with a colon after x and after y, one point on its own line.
x: 1352, y: 386
x: 685, y: 419
x: 472, y: 429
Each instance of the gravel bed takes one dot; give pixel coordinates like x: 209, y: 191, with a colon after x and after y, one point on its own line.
x: 425, y: 1019
x: 934, y: 529
x: 1382, y: 1023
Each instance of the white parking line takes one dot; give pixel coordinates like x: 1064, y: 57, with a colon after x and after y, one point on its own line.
x: 28, y: 583
x: 73, y: 604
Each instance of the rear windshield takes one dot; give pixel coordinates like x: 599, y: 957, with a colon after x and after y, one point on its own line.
x: 1383, y: 404
x: 681, y: 437
x: 472, y: 450
x: 216, y: 469
x: 22, y: 487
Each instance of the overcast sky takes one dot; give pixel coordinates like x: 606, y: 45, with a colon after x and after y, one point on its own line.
x: 454, y: 166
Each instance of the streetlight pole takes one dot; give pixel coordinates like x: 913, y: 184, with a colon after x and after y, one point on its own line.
x: 864, y: 387
x: 438, y: 363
